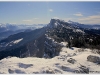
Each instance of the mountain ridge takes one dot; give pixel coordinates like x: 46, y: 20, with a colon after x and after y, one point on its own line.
x: 47, y: 40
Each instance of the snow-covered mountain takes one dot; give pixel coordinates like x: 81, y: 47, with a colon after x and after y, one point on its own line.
x: 60, y: 47
x: 71, y: 22
x: 86, y: 26
x: 58, y: 30
x: 46, y: 41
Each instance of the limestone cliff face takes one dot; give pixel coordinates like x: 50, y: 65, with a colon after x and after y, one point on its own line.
x: 52, y: 47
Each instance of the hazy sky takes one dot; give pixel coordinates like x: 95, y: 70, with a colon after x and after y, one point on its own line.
x: 42, y: 12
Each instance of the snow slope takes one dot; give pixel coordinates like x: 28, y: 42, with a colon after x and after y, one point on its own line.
x: 16, y: 41
x: 56, y: 65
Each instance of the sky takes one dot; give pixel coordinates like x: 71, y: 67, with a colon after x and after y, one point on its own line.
x: 42, y: 12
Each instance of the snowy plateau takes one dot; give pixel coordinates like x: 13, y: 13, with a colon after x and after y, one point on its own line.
x: 70, y: 61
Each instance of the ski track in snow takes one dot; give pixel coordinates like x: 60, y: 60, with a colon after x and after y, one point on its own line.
x: 57, y: 65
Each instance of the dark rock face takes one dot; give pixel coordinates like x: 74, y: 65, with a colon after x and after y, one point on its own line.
x: 52, y: 48
x: 94, y: 59
x: 82, y: 70
x: 65, y: 68
x: 48, y: 70
x: 71, y: 60
x: 36, y: 47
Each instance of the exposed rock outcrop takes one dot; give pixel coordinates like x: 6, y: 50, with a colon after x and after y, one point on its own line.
x: 94, y: 59
x: 71, y: 60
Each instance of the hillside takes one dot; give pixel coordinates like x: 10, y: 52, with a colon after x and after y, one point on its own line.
x: 47, y: 40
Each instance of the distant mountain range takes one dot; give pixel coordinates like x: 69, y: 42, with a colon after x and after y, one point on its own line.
x: 89, y: 26
x: 14, y: 27
x: 10, y: 29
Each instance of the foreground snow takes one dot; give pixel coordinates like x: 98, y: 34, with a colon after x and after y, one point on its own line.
x: 57, y: 65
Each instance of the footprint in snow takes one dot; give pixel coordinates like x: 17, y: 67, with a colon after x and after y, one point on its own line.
x: 16, y: 71
x: 21, y: 65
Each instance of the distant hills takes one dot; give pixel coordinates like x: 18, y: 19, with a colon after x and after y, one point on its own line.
x: 10, y: 29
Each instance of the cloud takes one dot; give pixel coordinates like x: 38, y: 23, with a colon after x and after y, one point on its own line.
x: 36, y: 18
x: 78, y: 14
x: 55, y: 17
x: 27, y: 20
x: 12, y: 23
x: 30, y: 20
x: 51, y: 10
x: 94, y: 19
x: 67, y: 19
